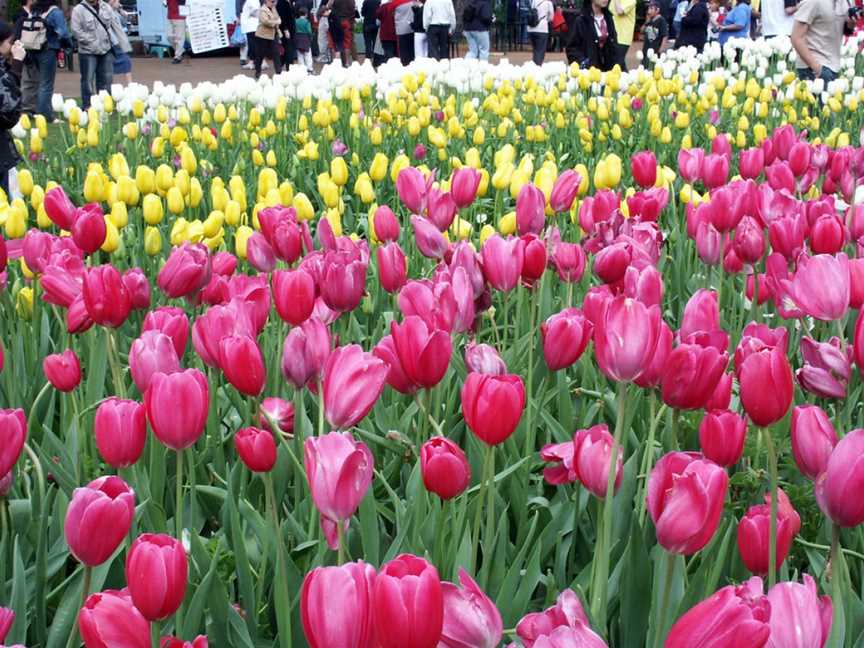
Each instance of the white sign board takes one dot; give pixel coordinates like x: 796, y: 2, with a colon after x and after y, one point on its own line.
x: 206, y: 25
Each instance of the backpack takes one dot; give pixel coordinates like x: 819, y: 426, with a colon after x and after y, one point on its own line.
x: 533, y: 17
x: 34, y: 30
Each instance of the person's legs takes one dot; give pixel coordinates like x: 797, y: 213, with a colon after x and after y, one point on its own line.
x: 349, y: 46
x: 87, y: 63
x: 104, y: 72
x: 406, y: 48
x: 259, y: 50
x: 538, y: 46
x: 421, y: 45
x: 178, y: 37
x: 471, y: 38
x: 482, y: 45
x: 438, y: 42
x: 275, y: 57
x: 621, y: 50
x: 30, y: 83
x: 47, y: 65
x: 369, y: 34
x: 806, y: 74
x: 306, y: 59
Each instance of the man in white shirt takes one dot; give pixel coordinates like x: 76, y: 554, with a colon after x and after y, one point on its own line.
x: 777, y: 17
x: 439, y: 21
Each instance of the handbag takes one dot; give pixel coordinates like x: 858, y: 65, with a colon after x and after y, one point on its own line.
x: 559, y: 23
x: 238, y: 38
x: 116, y: 50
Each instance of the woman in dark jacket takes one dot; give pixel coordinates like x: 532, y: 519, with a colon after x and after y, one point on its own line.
x: 593, y: 37
x: 694, y: 26
x: 12, y: 55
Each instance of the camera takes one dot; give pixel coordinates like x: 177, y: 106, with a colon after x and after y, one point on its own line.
x: 855, y: 12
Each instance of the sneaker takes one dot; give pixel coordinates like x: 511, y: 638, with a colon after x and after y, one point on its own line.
x: 242, y: 63
x: 264, y: 66
x: 176, y: 61
x: 249, y: 66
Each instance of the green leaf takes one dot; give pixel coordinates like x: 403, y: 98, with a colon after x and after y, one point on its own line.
x: 635, y: 583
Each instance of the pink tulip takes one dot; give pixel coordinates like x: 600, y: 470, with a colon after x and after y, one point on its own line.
x: 565, y: 190
x: 653, y: 373
x: 709, y: 243
x: 625, y: 337
x: 306, y: 349
x: 385, y: 224
x: 721, y: 436
x: 569, y: 261
x: 483, y: 358
x: 856, y: 283
x: 690, y: 163
x: 535, y: 259
x: 749, y: 242
x: 766, y: 389
x: 813, y: 439
x: 13, y: 434
x: 336, y: 606
x: 799, y: 616
x: 152, y: 352
x: 644, y: 285
x: 780, y: 176
x: 259, y: 253
x: 440, y: 208
x: 120, y: 428
x: 343, y: 281
x: 800, y: 156
x: 644, y: 168
x: 138, y: 287
x: 217, y: 322
x: 430, y: 241
x: 492, y: 405
x: 733, y: 616
x: 843, y: 476
x: 278, y: 411
x: 751, y: 162
x: 565, y: 336
x: 408, y: 605
x: 424, y: 353
x: 591, y: 458
x: 702, y: 316
x: 7, y: 619
x: 411, y: 187
x: 186, y: 271
x: 242, y: 363
x: 786, y: 235
x: 754, y: 532
x: 178, y: 427
x: 98, y: 519
x: 110, y: 618
x: 685, y: 499
x: 339, y: 471
x: 444, y: 468
x: 611, y: 263
x: 89, y: 229
x: 173, y: 642
x: 396, y: 376
x: 715, y: 170
x: 581, y: 636
x: 172, y: 322
x: 59, y: 208
x: 157, y: 573
x: 105, y: 296
x: 285, y: 236
x: 827, y: 367
x: 471, y: 619
x: 256, y: 448
x: 353, y: 382
x: 63, y: 370
x: 502, y: 262
x: 560, y: 457
x: 392, y: 267
x: 530, y: 209
x: 566, y: 613
x: 77, y: 318
x: 691, y: 375
x: 827, y: 235
x: 463, y: 186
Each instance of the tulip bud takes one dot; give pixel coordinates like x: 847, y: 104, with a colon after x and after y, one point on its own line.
x: 644, y: 168
x: 392, y: 267
x: 59, y: 208
x: 98, y: 519
x: 463, y: 186
x: 492, y: 405
x: 157, y: 573
x: 13, y: 433
x: 63, y: 370
x: 110, y: 618
x: 408, y: 606
x: 843, y: 475
x: 353, y: 382
x: 444, y: 468
x: 385, y: 225
x: 424, y: 353
x: 565, y: 190
x: 470, y: 617
x: 482, y: 358
x: 88, y: 228
x: 177, y: 427
x: 242, y: 363
x: 813, y: 439
x: 754, y: 533
x: 591, y: 457
x: 172, y: 322
x: 569, y: 261
x: 151, y: 353
x: 766, y: 389
x: 565, y: 337
x: 530, y: 209
x: 120, y: 428
x: 336, y: 606
x: 722, y: 435
x: 411, y: 187
x: 256, y: 449
x: 105, y: 296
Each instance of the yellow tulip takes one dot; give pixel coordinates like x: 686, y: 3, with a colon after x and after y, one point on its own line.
x: 179, y: 231
x: 270, y: 158
x: 188, y: 161
x: 339, y: 171
x: 25, y: 182
x: 273, y: 198
x: 175, y: 201
x: 195, y: 193
x: 112, y: 236
x: 485, y: 232
x: 152, y: 241
x: 118, y: 215
x: 399, y: 162
x: 153, y: 210
x: 233, y: 213
x: 42, y: 219
x: 24, y: 303
x: 145, y: 179
x: 302, y: 204
x: 241, y: 238
x: 93, y: 187
x: 378, y: 168
x: 164, y: 177
x: 16, y: 220
x: 157, y: 147
x: 213, y: 223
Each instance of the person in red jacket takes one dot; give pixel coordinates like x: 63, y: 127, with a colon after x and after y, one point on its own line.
x: 177, y: 28
x: 386, y: 31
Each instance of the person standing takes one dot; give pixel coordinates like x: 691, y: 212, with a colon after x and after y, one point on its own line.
x: 12, y: 55
x: 817, y: 36
x: 624, y: 13
x: 90, y: 26
x: 287, y: 14
x: 778, y: 17
x: 177, y: 28
x: 539, y: 33
x: 122, y: 47
x: 736, y: 24
x: 248, y: 25
x: 477, y: 20
x: 387, y: 30
x: 27, y: 25
x: 694, y: 26
x: 593, y: 42
x: 439, y: 21
x: 403, y: 20
x: 655, y: 31
x: 342, y: 13
x: 303, y: 39
x: 267, y: 37
x: 370, y: 25
x: 44, y: 66
x: 421, y: 43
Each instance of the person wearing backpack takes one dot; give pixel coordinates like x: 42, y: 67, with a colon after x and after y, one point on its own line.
x: 12, y: 55
x: 30, y: 71
x: 538, y: 28
x: 91, y: 20
x: 476, y: 21
x: 43, y: 34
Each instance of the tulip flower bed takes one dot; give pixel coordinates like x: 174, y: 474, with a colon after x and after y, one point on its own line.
x: 456, y: 358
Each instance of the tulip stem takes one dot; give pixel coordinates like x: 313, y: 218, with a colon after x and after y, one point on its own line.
x: 601, y: 574
x: 440, y: 527
x: 772, y: 529
x: 488, y: 532
x: 648, y: 457
x: 73, y: 636
x: 816, y: 545
x: 475, y: 534
x: 836, y: 585
x: 178, y: 518
x: 154, y: 634
x: 280, y: 584
x: 529, y: 431
x: 660, y: 629
x: 320, y: 408
x: 114, y: 362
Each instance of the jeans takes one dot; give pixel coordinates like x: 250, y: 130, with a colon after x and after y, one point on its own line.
x: 478, y: 45
x: 406, y: 48
x: 539, y: 41
x: 97, y: 72
x: 827, y: 74
x: 439, y: 43
x: 369, y: 34
x: 47, y: 63
x: 621, y: 55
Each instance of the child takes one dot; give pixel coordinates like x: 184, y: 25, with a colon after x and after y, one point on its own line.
x: 324, y: 35
x: 655, y: 31
x: 303, y: 39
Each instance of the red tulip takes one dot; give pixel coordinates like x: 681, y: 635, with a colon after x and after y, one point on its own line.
x: 353, y: 382
x: 156, y: 574
x: 463, y: 186
x: 751, y: 162
x: 7, y: 620
x: 611, y: 263
x: 800, y: 156
x: 493, y: 405
x: 567, y: 613
x: 715, y: 170
x: 733, y: 616
x: 256, y: 448
x: 59, y: 208
x: 780, y: 176
x: 411, y: 187
x: 339, y: 470
x: 653, y: 373
x: 820, y: 286
x: 754, y: 532
x: 766, y: 388
x: 217, y: 322
x: 644, y: 285
x: 63, y: 370
x: 259, y: 253
x: 799, y: 616
x: 89, y: 229
x: 186, y: 271
x: 336, y: 606
x: 178, y: 427
x: 13, y: 434
x: 685, y: 500
x: 625, y: 337
x: 392, y: 268
x: 152, y: 352
x: 813, y: 439
x: 690, y: 163
x: 691, y: 375
x: 535, y: 259
x: 702, y: 315
x: 343, y: 281
x: 279, y: 411
x: 408, y: 606
x: 109, y: 619
x: 105, y: 296
x: 502, y: 261
x: 444, y: 468
x: 396, y: 376
x: 77, y: 318
x: 242, y: 363
x: 565, y: 336
x: 721, y: 436
x: 483, y: 358
x: 173, y: 642
x: 592, y: 455
x: 827, y: 235
x: 843, y: 477
x: 385, y: 224
x: 530, y: 209
x: 423, y: 353
x: 121, y: 430
x: 471, y: 619
x: 98, y: 519
x: 430, y: 241
x: 644, y: 167
x: 306, y: 349
x: 565, y: 190
x: 786, y: 235
x: 172, y: 322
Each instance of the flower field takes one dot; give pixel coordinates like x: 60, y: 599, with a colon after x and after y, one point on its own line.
x: 445, y: 357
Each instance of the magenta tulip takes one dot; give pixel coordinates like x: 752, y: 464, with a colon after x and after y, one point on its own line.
x: 109, y: 619
x: 444, y: 467
x: 279, y: 411
x: 63, y: 370
x: 156, y: 574
x: 715, y: 170
x: 644, y: 168
x: 813, y: 439
x: 685, y: 499
x: 471, y: 619
x: 173, y: 642
x: 306, y: 349
x: 754, y: 533
x: 13, y: 434
x: 463, y: 186
x: 343, y: 281
x: 392, y: 267
x: 256, y: 448
x: 690, y: 163
x: 186, y: 271
x: 560, y: 458
x: 98, y: 519
x: 430, y: 241
x: 242, y: 363
x: 565, y: 190
x: 336, y: 606
x: 502, y: 261
x: 483, y: 358
x: 411, y: 187
x: 385, y: 224
x: 105, y: 296
x: 625, y: 337
x: 691, y: 376
x: 7, y: 620
x: 820, y: 286
x: 569, y: 261
x: 566, y: 613
x: 89, y: 229
x: 259, y: 253
x: 653, y: 373
x: 353, y: 382
x: 843, y: 476
x: 172, y: 322
x: 408, y: 605
x: 721, y: 436
x: 591, y: 458
x: 217, y: 322
x: 530, y: 209
x: 766, y: 388
x: 396, y: 376
x: 493, y: 405
x: 535, y: 259
x: 151, y: 353
x: 120, y: 427
x: 423, y: 353
x: 59, y: 208
x: 138, y: 287
x: 177, y: 406
x: 827, y: 367
x: 799, y: 616
x: 751, y: 162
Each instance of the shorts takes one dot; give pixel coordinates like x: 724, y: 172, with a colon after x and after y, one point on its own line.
x: 122, y: 62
